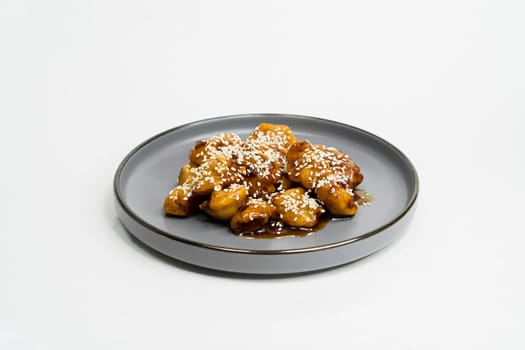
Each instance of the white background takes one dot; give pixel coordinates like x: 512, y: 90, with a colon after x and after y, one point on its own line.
x: 83, y: 82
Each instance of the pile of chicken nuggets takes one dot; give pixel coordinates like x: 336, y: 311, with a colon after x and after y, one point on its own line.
x: 268, y: 177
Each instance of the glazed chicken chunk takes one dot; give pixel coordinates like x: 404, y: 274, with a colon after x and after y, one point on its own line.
x: 316, y: 165
x: 224, y: 203
x: 296, y: 208
x: 220, y: 145
x: 339, y: 200
x: 330, y: 173
x: 252, y: 217
x: 196, y: 182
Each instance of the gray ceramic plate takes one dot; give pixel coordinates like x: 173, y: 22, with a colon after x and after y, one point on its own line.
x: 150, y: 171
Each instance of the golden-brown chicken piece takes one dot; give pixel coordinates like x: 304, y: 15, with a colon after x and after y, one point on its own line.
x: 296, y: 208
x: 220, y: 145
x: 299, y: 167
x: 196, y: 182
x: 223, y: 204
x: 261, y: 171
x: 315, y: 166
x: 263, y: 164
x: 253, y: 216
x: 181, y: 202
x: 275, y: 136
x: 213, y: 174
x: 338, y: 200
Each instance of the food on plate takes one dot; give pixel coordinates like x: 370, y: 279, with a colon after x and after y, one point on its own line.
x: 269, y: 181
x: 328, y: 172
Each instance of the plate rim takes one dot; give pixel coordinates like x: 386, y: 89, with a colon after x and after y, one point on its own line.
x: 122, y: 203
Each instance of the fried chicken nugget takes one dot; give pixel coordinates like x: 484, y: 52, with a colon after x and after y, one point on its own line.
x: 253, y: 216
x: 317, y: 165
x: 276, y: 136
x: 220, y: 145
x: 181, y: 202
x: 262, y: 160
x: 299, y: 167
x: 296, y: 208
x: 261, y: 172
x: 224, y: 203
x: 196, y: 182
x: 338, y: 200
x: 213, y: 174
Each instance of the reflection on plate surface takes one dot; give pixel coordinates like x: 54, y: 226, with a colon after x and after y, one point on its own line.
x: 149, y: 172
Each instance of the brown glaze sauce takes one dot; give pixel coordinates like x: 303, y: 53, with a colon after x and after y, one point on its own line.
x: 277, y: 229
